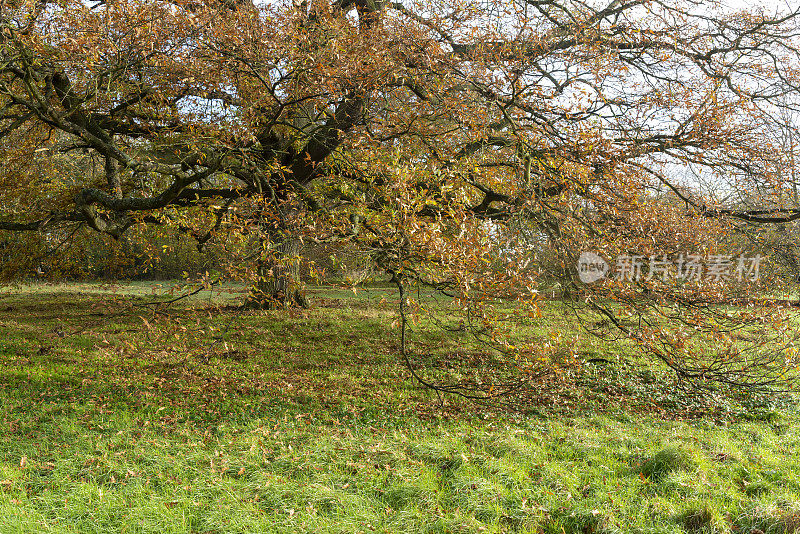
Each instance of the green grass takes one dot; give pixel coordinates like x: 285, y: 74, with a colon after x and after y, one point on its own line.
x: 211, y: 420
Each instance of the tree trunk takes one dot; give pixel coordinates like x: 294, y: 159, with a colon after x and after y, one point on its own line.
x: 278, y: 283
x: 278, y: 278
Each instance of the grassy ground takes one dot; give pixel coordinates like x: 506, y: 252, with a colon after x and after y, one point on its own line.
x: 117, y: 419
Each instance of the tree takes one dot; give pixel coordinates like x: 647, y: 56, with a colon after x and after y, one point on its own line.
x: 439, y: 136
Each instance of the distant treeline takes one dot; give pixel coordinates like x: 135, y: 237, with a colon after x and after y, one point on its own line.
x: 149, y: 253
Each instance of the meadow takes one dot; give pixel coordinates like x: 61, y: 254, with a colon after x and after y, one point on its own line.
x: 120, y: 416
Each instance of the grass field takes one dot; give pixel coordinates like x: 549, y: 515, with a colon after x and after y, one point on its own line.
x: 207, y: 419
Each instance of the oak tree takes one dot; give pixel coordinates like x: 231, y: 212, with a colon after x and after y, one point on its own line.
x: 451, y: 139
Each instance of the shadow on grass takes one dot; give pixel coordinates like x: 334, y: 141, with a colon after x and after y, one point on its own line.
x: 67, y: 353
